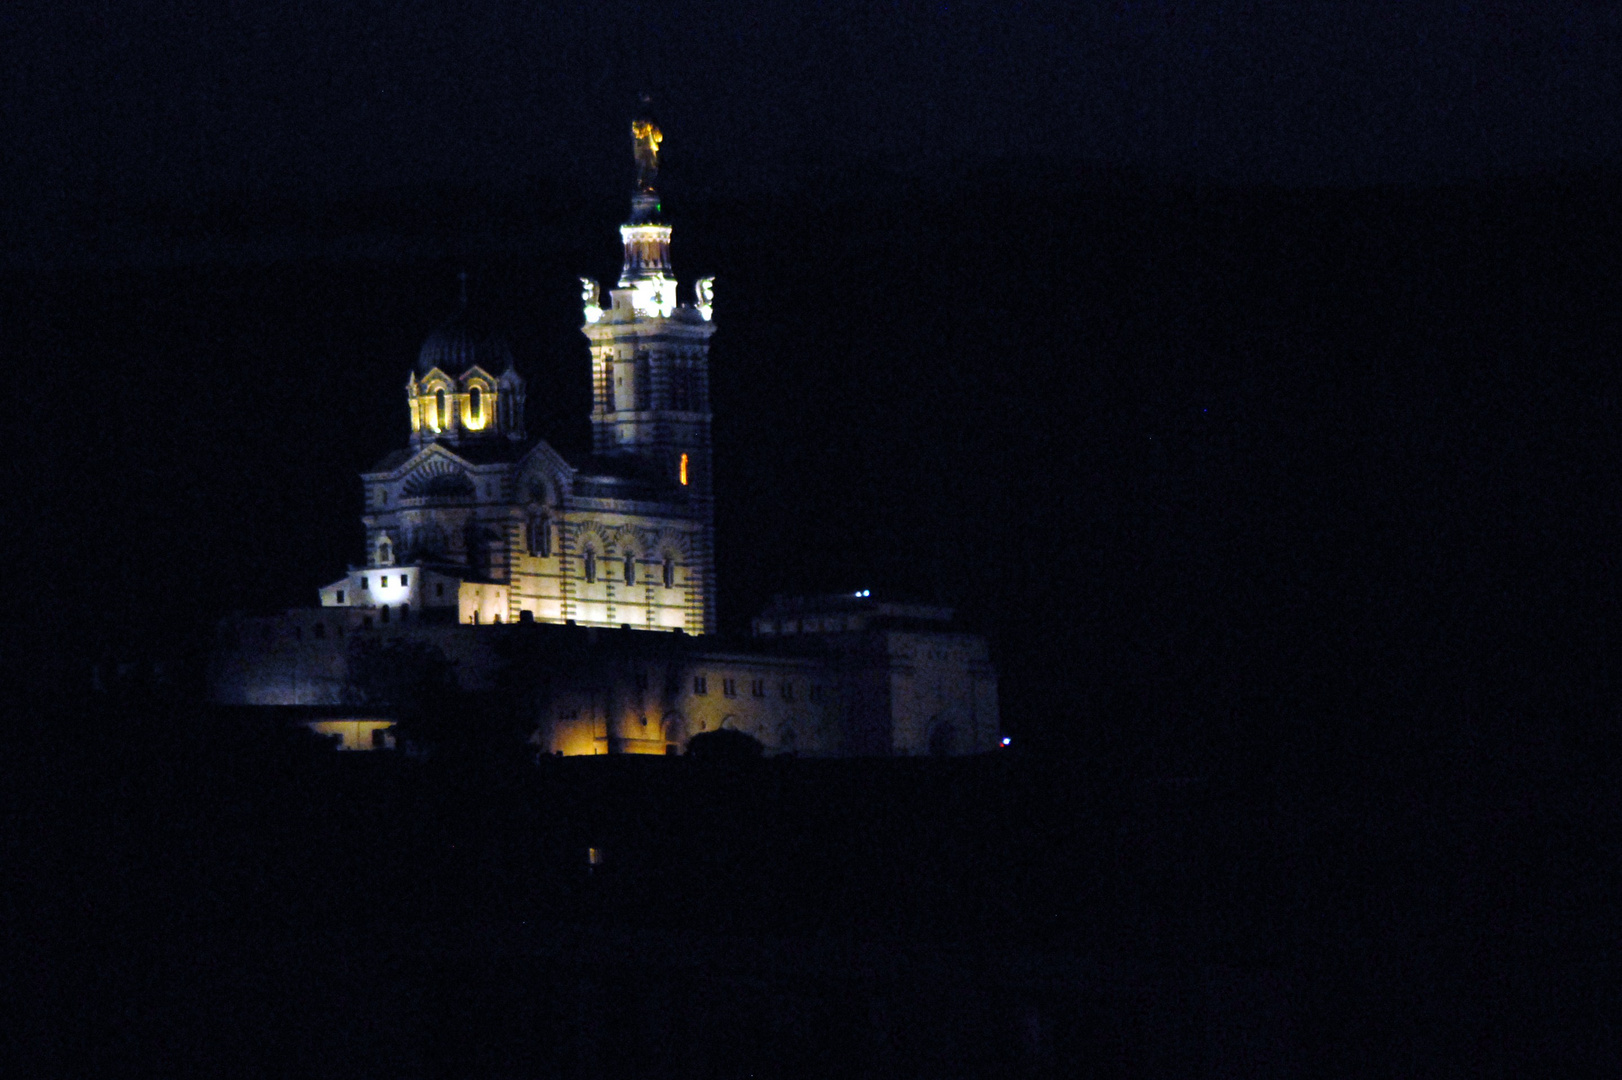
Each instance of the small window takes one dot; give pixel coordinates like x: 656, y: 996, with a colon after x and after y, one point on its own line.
x: 340, y: 596
x: 729, y: 687
x: 320, y: 629
x: 383, y: 614
x: 385, y: 581
x: 540, y: 537
x: 591, y: 566
x: 405, y: 612
x: 788, y: 691
x: 683, y: 470
x: 670, y: 572
x: 700, y: 685
x: 630, y: 568
x: 439, y: 588
x: 405, y: 579
x: 440, y: 415
x: 379, y: 739
x: 757, y: 688
x: 475, y: 404
x: 365, y: 583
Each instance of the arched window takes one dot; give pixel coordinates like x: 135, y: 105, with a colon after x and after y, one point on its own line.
x: 540, y: 536
x: 385, y: 552
x: 630, y: 568
x: 591, y: 566
x: 670, y: 572
x: 475, y: 406
x: 441, y: 417
x: 683, y: 470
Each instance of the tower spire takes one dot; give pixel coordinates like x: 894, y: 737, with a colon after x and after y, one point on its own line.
x: 647, y: 241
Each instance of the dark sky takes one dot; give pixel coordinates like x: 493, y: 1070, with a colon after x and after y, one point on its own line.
x: 1222, y: 442
x: 174, y: 97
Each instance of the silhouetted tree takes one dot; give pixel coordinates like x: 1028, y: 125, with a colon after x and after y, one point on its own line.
x: 724, y: 745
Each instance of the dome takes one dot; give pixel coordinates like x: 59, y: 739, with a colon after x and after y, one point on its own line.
x: 459, y: 345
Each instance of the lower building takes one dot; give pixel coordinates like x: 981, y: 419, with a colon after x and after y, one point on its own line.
x: 838, y: 676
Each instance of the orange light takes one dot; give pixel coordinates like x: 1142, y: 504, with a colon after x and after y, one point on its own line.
x: 684, y: 470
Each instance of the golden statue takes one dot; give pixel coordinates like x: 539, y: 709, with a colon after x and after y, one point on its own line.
x: 645, y: 139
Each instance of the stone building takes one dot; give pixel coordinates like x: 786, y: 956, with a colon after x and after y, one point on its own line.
x: 585, y: 583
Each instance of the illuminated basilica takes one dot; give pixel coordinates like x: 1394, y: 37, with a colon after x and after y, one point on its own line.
x: 594, y: 573
x: 476, y: 522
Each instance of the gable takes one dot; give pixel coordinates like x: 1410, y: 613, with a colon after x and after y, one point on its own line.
x: 543, y: 476
x: 409, y: 459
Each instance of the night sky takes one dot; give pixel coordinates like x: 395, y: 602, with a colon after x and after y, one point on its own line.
x: 1219, y: 360
x: 177, y: 98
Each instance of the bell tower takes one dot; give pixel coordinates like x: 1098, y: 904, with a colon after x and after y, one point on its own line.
x: 650, y: 355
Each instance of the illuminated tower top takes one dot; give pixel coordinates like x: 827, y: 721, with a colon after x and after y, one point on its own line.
x: 647, y: 240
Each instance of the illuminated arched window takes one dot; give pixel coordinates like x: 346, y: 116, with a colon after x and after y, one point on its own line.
x: 670, y: 572
x: 441, y: 416
x: 540, y: 536
x: 475, y: 405
x: 683, y: 470
x: 591, y: 566
x: 630, y: 568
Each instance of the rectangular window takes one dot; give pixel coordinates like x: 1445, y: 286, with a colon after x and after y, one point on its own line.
x: 700, y: 685
x: 385, y: 581
x: 757, y: 688
x: 405, y: 579
x: 729, y: 687
x: 340, y: 596
x: 439, y: 588
x: 365, y: 583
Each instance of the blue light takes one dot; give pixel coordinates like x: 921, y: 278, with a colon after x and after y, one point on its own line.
x: 862, y: 592
x: 1006, y: 740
